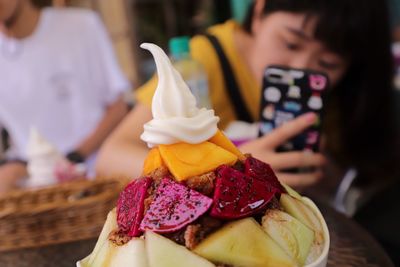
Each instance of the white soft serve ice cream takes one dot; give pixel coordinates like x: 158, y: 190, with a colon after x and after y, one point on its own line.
x: 175, y: 115
x: 43, y: 158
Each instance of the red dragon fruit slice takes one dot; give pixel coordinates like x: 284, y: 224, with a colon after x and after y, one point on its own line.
x: 130, y: 206
x: 174, y: 206
x: 262, y: 171
x: 239, y: 195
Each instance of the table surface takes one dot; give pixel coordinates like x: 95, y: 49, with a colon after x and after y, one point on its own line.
x: 351, y: 246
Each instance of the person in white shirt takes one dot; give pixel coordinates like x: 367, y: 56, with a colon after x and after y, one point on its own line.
x: 58, y: 73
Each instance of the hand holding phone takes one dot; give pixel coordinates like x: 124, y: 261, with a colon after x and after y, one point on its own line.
x: 264, y: 148
x: 288, y: 93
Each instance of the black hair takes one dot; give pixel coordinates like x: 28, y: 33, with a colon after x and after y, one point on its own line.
x: 42, y: 3
x: 360, y: 115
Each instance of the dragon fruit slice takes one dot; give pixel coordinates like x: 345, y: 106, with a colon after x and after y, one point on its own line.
x: 130, y: 206
x: 239, y: 195
x: 174, y: 206
x: 262, y: 171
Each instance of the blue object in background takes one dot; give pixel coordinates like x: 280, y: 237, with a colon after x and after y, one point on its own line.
x: 239, y: 9
x: 394, y: 11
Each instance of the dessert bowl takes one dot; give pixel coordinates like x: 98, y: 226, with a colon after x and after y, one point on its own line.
x: 320, y: 261
x: 201, y: 202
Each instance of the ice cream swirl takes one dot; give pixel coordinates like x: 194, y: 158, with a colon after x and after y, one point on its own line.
x: 175, y: 115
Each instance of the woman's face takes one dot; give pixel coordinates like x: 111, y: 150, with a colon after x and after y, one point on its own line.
x: 284, y: 38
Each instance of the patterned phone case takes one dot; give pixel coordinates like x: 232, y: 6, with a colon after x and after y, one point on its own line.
x: 288, y: 93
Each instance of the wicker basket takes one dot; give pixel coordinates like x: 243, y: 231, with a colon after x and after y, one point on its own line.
x: 66, y: 212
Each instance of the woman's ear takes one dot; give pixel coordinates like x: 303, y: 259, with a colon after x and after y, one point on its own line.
x: 257, y: 15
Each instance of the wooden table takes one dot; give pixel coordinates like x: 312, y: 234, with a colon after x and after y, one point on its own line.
x: 351, y: 246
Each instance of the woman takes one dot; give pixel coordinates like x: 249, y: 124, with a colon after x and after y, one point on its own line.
x: 348, y: 41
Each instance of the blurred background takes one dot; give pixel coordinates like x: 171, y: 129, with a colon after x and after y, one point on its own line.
x: 132, y: 22
x: 174, y: 18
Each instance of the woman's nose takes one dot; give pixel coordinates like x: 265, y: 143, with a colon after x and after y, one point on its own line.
x: 302, y: 61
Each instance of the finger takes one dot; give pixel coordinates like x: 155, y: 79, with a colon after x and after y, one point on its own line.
x: 289, y: 129
x: 300, y: 179
x: 287, y: 160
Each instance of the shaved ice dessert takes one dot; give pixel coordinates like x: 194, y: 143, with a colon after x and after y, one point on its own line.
x: 201, y: 202
x: 46, y: 164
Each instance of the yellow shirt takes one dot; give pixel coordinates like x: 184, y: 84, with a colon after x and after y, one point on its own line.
x: 202, y: 51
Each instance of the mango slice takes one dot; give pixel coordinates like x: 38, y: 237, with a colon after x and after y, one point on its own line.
x: 152, y: 161
x: 221, y: 140
x: 187, y: 160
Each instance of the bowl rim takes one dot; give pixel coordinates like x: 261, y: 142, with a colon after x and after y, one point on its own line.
x: 321, y: 261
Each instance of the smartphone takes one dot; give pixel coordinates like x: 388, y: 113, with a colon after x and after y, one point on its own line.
x: 288, y: 93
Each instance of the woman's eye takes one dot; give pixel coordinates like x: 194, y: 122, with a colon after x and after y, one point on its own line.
x: 328, y: 65
x: 292, y: 46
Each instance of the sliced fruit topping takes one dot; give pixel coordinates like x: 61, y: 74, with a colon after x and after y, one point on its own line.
x: 292, y: 192
x: 221, y: 140
x: 239, y: 195
x: 262, y: 171
x: 243, y: 243
x: 187, y: 160
x: 174, y: 206
x: 292, y: 236
x: 103, y: 247
x: 130, y: 206
x: 166, y: 253
x: 304, y: 214
x: 153, y: 161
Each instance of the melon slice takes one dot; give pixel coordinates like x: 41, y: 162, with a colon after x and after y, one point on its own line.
x: 162, y: 252
x: 107, y: 254
x: 304, y: 214
x: 102, y: 251
x: 293, y: 236
x: 131, y: 254
x: 292, y: 192
x: 243, y: 243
